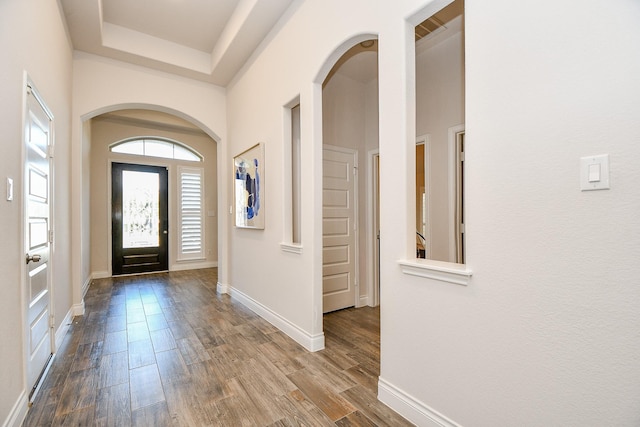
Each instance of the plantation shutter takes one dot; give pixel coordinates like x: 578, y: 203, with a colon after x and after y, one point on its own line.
x: 191, y: 214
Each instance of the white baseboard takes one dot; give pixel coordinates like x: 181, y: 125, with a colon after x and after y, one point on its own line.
x: 78, y: 309
x: 64, y: 328
x: 180, y: 266
x: 86, y: 284
x: 363, y: 301
x: 222, y: 289
x: 18, y: 413
x: 100, y: 275
x: 302, y: 337
x: 411, y: 408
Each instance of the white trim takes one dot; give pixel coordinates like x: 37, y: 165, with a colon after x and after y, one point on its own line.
x: 181, y: 266
x: 18, y: 413
x: 78, y: 309
x: 293, y: 248
x: 311, y: 342
x: 222, y: 288
x: 410, y: 407
x: 86, y: 284
x: 364, y: 300
x: 426, y: 141
x: 371, y: 232
x: 100, y: 275
x: 452, y: 149
x: 64, y: 328
x: 441, y: 271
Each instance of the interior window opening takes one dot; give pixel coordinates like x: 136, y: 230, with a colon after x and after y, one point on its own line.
x: 439, y: 161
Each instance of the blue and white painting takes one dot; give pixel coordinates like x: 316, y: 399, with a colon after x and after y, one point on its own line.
x: 248, y: 191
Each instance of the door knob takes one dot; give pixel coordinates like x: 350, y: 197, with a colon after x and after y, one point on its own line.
x: 34, y: 258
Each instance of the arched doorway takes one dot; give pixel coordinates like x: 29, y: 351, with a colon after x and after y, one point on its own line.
x: 350, y: 136
x: 128, y: 124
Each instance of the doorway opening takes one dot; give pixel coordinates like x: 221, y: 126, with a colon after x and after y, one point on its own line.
x: 139, y: 217
x: 38, y: 238
x: 350, y: 133
x: 182, y: 150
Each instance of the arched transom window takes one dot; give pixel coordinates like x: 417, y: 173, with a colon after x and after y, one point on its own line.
x: 156, y: 147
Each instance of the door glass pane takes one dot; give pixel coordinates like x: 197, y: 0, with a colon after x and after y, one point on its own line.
x: 140, y: 209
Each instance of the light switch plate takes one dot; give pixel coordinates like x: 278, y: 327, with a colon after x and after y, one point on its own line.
x: 594, y: 172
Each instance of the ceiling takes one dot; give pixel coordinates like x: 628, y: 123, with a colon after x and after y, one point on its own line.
x: 210, y: 40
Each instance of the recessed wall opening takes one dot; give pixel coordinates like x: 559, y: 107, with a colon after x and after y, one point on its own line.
x: 440, y: 106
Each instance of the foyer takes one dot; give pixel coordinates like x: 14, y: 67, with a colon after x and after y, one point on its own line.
x: 165, y: 349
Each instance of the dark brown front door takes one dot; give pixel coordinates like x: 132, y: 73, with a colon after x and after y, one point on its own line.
x: 139, y: 218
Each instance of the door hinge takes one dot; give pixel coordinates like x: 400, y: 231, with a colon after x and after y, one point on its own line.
x: 51, y: 150
x: 355, y: 170
x: 52, y: 321
x: 50, y: 236
x: 462, y: 228
x: 462, y: 156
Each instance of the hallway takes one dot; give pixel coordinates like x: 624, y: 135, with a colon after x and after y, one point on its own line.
x: 165, y: 349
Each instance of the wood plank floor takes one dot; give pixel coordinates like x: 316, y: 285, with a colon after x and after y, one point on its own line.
x: 166, y: 350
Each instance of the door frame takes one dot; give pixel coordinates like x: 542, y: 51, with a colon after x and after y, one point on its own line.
x: 109, y: 207
x: 29, y: 89
x: 453, y: 134
x: 373, y: 270
x: 426, y: 141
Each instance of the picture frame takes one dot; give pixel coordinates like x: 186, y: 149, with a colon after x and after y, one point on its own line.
x: 248, y: 183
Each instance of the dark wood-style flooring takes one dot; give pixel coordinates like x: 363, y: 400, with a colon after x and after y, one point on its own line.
x: 166, y: 350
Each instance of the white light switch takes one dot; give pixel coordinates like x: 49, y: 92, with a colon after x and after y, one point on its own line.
x: 9, y: 189
x: 594, y: 172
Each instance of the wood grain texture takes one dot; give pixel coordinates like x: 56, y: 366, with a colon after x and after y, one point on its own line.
x: 166, y: 350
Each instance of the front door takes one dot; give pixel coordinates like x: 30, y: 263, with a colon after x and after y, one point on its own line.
x: 37, y: 195
x: 139, y: 218
x: 339, y: 172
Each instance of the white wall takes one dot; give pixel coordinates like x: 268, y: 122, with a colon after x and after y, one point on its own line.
x: 33, y: 39
x: 545, y: 333
x: 286, y: 68
x: 101, y: 85
x: 106, y: 131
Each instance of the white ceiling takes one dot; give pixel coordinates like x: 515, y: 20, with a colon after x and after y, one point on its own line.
x: 208, y: 40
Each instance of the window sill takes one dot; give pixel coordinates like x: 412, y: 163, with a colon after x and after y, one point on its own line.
x: 441, y: 271
x: 293, y: 248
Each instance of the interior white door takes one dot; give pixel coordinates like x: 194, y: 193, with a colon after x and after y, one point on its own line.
x: 339, y: 174
x: 37, y: 197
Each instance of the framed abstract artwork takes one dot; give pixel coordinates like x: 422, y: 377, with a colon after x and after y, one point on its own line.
x: 248, y: 181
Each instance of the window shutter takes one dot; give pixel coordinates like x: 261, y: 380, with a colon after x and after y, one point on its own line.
x: 191, y: 214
